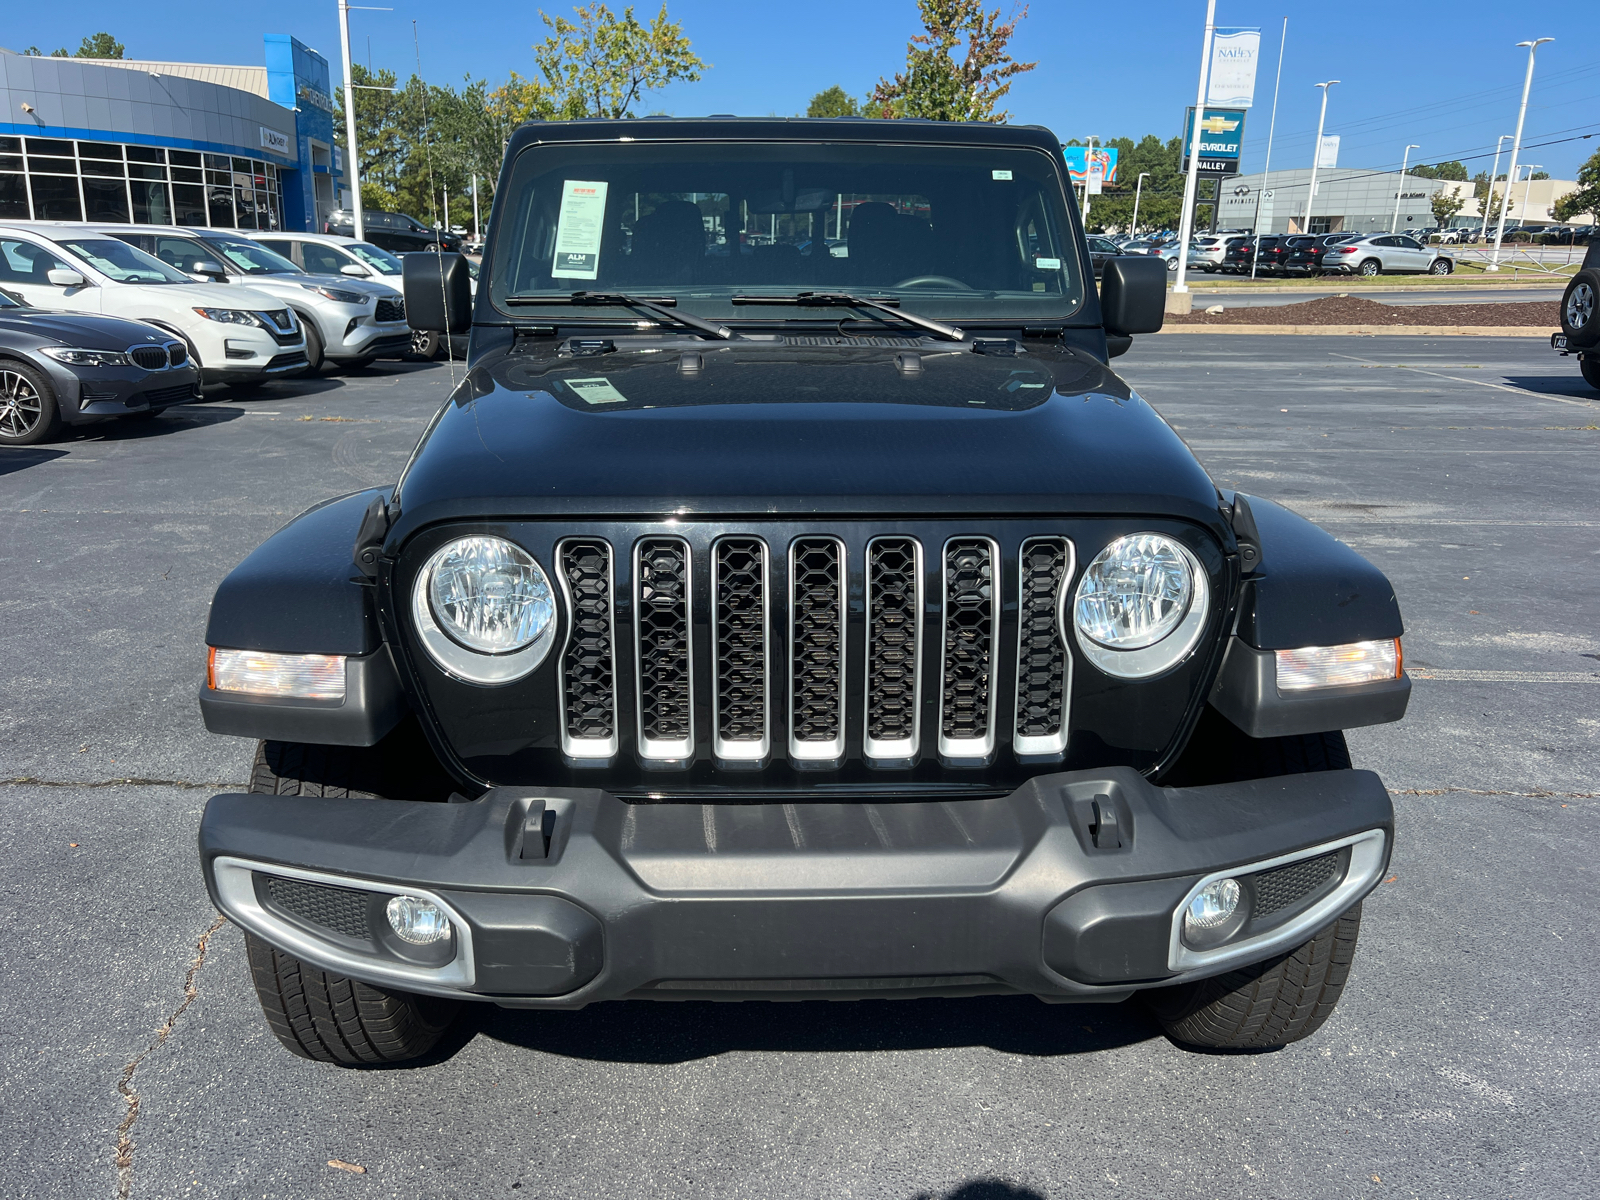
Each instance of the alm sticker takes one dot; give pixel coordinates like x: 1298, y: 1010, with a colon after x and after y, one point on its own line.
x: 1047, y: 264
x: 596, y: 391
x: 1000, y: 174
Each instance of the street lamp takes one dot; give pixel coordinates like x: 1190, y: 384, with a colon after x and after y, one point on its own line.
x: 1137, y: 192
x: 1405, y: 161
x: 1316, y: 154
x: 1528, y: 187
x: 1488, y: 200
x: 1516, y: 148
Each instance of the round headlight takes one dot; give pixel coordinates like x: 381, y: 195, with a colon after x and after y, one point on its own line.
x: 1140, y: 606
x: 484, y: 609
x: 489, y: 594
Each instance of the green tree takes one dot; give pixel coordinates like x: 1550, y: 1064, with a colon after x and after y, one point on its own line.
x: 1160, y: 200
x: 1587, y: 198
x: 934, y: 85
x: 1540, y: 175
x: 834, y: 102
x: 100, y: 45
x: 601, y: 65
x: 1445, y: 170
x: 1446, y: 205
x: 378, y: 132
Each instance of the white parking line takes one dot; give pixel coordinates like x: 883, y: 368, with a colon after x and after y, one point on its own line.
x: 1504, y: 387
x: 1444, y: 676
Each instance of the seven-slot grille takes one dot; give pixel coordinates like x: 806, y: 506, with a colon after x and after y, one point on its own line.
x: 777, y: 658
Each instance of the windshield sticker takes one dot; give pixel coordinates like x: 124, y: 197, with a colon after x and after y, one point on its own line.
x: 597, y: 390
x: 1000, y: 174
x: 1047, y: 264
x: 583, y: 211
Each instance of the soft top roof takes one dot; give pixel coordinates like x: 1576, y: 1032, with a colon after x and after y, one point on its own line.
x: 779, y: 129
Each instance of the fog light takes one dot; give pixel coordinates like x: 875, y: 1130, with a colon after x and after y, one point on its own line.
x: 1213, y: 906
x: 418, y: 921
x: 1338, y: 666
x: 290, y: 676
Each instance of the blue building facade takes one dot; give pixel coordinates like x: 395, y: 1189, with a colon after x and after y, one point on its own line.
x: 242, y: 147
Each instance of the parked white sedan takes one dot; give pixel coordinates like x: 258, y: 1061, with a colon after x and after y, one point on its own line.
x: 234, y: 334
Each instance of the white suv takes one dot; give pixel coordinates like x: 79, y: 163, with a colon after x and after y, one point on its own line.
x: 235, y: 334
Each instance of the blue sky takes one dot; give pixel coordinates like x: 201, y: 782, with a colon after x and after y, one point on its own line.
x: 1447, y: 78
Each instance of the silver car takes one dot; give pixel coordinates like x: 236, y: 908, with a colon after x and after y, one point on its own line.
x: 1385, y: 254
x: 330, y: 254
x: 348, y: 321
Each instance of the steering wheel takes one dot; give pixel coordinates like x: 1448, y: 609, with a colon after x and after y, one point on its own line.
x: 936, y: 281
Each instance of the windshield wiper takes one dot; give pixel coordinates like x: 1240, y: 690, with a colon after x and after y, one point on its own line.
x: 656, y: 307
x: 887, y: 305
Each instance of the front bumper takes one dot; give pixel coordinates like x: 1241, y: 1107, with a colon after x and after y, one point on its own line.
x: 89, y: 394
x: 1070, y: 888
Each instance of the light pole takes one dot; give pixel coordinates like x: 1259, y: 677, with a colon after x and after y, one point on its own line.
x: 1405, y: 161
x: 353, y: 167
x: 1488, y: 200
x: 1527, y: 187
x: 1137, y: 192
x: 1316, y: 155
x: 474, y: 207
x: 1516, y: 148
x: 1255, y: 226
x: 1191, y: 183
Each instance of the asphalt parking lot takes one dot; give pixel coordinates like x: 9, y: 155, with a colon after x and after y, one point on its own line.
x: 1462, y: 1062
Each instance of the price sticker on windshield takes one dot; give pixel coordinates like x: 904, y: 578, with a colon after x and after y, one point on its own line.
x: 583, y: 211
x: 999, y: 174
x: 596, y: 391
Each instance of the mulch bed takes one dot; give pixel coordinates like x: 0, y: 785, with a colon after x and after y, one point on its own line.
x: 1352, y: 310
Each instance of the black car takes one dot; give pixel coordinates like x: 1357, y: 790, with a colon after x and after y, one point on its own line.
x: 753, y: 624
x: 1101, y: 249
x: 1305, y: 253
x: 395, y: 232
x: 60, y: 368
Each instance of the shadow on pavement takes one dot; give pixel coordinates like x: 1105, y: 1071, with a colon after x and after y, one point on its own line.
x: 20, y: 458
x: 645, y: 1031
x: 985, y: 1189
x: 1570, y: 383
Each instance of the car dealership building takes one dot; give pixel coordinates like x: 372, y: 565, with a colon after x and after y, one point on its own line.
x: 239, y: 147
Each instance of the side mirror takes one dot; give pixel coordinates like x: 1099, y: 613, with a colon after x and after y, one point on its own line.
x: 438, y: 291
x: 1133, y: 295
x: 64, y: 278
x: 354, y: 269
x: 211, y: 270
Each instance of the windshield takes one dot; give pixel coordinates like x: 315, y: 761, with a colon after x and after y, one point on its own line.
x: 379, y: 260
x: 122, y: 262
x: 252, y: 258
x: 950, y: 231
x: 7, y: 300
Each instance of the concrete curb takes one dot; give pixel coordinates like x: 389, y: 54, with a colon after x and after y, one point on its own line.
x: 1370, y: 330
x: 1245, y: 289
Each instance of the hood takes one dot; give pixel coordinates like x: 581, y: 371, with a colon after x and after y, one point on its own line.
x: 207, y: 295
x: 289, y: 284
x: 43, y: 327
x: 793, y: 425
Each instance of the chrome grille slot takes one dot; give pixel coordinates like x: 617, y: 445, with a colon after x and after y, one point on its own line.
x: 1044, y: 669
x: 967, y: 686
x: 740, y: 662
x: 892, y: 728
x: 816, y: 653
x: 588, y: 663
x: 662, y: 631
x: 150, y: 358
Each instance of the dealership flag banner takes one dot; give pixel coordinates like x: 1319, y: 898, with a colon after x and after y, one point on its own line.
x: 1328, y: 152
x: 1234, y: 53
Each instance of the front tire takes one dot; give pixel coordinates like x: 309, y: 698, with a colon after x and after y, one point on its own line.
x: 1267, y: 1005
x: 329, y: 1018
x: 29, y: 413
x: 314, y: 349
x: 426, y: 344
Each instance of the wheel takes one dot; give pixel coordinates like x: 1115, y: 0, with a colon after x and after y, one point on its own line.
x: 426, y: 344
x: 314, y: 352
x: 29, y: 413
x: 1591, y: 372
x: 1370, y: 267
x: 319, y: 1015
x: 1578, y: 317
x: 1172, y: 265
x: 1267, y: 1005
x: 1440, y: 266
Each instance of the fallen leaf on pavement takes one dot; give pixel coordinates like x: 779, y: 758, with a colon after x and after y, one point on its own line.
x: 339, y: 1164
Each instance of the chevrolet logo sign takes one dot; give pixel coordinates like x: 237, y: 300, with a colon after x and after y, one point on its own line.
x: 1218, y: 125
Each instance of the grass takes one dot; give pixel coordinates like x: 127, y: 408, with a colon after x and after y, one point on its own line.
x: 1384, y: 283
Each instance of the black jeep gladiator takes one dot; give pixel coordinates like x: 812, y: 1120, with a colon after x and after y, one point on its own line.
x: 791, y: 603
x: 1580, y: 317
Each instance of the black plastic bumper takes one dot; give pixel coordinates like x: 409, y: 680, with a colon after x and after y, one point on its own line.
x: 1069, y: 888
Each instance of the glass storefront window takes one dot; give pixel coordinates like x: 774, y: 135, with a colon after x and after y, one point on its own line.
x: 187, y: 175
x: 189, y: 204
x: 150, y: 203
x: 49, y: 146
x: 55, y: 198
x: 105, y: 199
x: 183, y: 158
x: 11, y: 162
x: 217, y: 162
x: 219, y: 202
x: 94, y: 167
x: 141, y: 171
x: 149, y: 154
x: 52, y: 166
x: 99, y: 150
x: 13, y: 197
x: 10, y: 145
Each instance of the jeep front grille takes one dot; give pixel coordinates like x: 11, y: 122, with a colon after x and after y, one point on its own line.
x: 816, y: 656
x: 663, y: 600
x: 786, y: 661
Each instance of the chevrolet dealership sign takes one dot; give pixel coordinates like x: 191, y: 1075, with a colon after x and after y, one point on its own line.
x: 1221, y: 136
